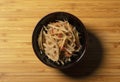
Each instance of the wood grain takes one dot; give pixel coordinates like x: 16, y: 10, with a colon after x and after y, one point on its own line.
x: 18, y: 18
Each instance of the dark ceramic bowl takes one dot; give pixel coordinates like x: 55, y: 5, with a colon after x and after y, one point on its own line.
x: 52, y: 17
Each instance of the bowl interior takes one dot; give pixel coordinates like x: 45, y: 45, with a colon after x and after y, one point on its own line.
x: 53, y: 17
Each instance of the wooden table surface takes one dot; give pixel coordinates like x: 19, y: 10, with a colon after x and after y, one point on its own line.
x: 18, y: 62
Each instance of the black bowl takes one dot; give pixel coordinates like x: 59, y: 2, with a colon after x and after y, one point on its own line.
x: 52, y: 17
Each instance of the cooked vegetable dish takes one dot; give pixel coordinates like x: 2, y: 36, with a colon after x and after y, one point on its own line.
x: 59, y: 40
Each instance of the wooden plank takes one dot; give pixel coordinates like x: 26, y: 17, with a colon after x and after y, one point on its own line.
x: 18, y: 62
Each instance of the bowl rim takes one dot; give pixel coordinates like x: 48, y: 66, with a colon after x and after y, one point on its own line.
x: 34, y: 44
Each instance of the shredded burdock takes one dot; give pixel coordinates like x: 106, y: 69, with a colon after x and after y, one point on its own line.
x: 59, y: 40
